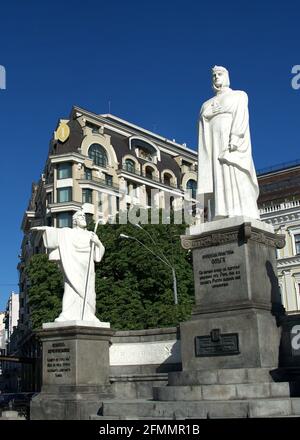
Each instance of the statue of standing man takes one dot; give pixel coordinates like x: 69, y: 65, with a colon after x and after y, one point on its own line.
x: 75, y: 249
x: 226, y: 173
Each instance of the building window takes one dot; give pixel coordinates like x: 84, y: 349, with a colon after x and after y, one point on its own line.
x: 64, y: 220
x: 192, y: 186
x: 149, y: 198
x: 64, y: 170
x: 188, y: 165
x: 167, y: 179
x: 172, y: 202
x: 95, y: 128
x: 108, y: 180
x: 49, y: 198
x: 131, y: 189
x: 100, y: 202
x: 87, y: 195
x: 145, y: 150
x: 98, y: 155
x: 88, y: 174
x: 130, y: 166
x: 297, y: 243
x: 149, y: 172
x: 64, y: 195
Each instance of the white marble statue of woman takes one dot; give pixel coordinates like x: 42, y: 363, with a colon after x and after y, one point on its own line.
x: 226, y: 173
x: 72, y: 248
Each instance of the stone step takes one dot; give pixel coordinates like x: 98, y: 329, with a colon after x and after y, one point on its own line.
x: 221, y: 392
x: 93, y: 417
x: 139, y: 409
x: 220, y: 376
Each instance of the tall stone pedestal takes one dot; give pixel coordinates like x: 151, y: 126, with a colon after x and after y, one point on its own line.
x: 231, y: 343
x: 237, y: 296
x: 75, y: 373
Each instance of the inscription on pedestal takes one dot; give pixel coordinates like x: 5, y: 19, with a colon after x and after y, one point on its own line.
x: 217, y: 344
x: 219, y: 276
x: 58, y: 360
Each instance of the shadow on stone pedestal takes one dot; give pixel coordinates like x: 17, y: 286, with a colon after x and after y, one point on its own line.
x: 75, y: 373
x: 289, y: 354
x: 237, y: 297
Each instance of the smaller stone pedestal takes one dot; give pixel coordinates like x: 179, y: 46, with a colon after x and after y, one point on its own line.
x: 75, y: 373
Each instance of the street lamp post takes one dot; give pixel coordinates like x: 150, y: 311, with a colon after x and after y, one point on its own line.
x: 139, y: 226
x: 163, y: 260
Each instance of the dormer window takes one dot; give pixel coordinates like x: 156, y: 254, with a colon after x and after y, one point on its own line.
x: 93, y: 127
x: 145, y: 150
x: 144, y: 154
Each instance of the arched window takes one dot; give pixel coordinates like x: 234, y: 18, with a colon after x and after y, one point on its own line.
x: 167, y: 179
x: 149, y: 172
x: 192, y: 185
x: 129, y: 165
x: 98, y: 155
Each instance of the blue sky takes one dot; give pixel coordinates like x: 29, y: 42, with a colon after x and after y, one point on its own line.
x: 152, y: 61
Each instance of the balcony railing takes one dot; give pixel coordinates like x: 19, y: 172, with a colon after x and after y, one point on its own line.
x: 280, y: 207
x: 68, y: 202
x: 137, y: 172
x: 98, y: 180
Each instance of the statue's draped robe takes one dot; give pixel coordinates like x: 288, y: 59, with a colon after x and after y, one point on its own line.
x: 228, y: 177
x: 72, y: 247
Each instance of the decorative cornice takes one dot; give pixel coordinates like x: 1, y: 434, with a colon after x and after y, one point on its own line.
x: 240, y: 233
x: 281, y: 218
x: 276, y: 240
x: 288, y: 262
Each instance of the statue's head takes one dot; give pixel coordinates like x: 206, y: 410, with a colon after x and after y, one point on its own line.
x: 220, y: 78
x: 79, y: 219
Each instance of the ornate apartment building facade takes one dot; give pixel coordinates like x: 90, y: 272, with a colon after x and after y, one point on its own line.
x: 279, y: 204
x: 105, y: 165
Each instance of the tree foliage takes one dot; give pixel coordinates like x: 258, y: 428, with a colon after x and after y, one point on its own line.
x: 134, y: 288
x: 45, y: 291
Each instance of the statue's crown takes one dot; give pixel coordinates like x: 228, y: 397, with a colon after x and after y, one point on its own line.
x: 219, y: 68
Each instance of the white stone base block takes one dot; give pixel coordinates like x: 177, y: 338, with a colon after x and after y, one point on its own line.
x: 225, y: 223
x: 50, y: 325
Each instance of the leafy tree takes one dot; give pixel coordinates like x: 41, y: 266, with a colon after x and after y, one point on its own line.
x: 45, y: 291
x: 134, y: 288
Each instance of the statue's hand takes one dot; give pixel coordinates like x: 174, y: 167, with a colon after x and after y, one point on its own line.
x: 232, y: 148
x: 216, y: 107
x: 95, y: 239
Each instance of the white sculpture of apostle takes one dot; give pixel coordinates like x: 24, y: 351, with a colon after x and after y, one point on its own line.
x: 226, y: 173
x: 72, y: 248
